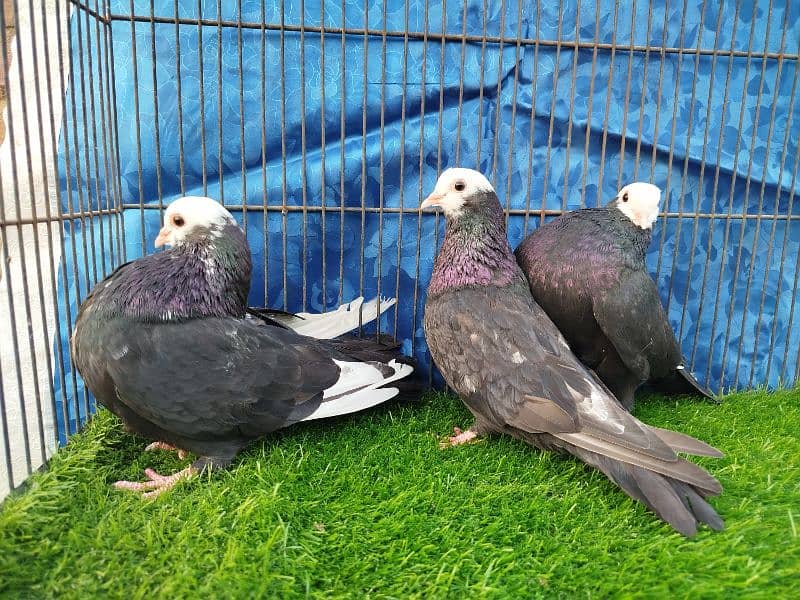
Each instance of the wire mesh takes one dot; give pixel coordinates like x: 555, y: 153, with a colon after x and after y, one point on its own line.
x: 321, y: 125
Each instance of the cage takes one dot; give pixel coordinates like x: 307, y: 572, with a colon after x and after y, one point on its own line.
x: 321, y: 124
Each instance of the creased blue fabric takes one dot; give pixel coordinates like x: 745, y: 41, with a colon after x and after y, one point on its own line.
x: 553, y: 126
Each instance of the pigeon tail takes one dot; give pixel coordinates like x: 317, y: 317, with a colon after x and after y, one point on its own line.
x: 680, y: 504
x: 681, y: 382
x: 360, y: 386
x: 331, y: 324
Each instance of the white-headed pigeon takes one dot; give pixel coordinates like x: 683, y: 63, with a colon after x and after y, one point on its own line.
x: 164, y: 343
x: 500, y: 352
x: 587, y: 270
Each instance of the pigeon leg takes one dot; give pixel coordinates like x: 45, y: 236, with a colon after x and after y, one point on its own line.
x: 166, y: 447
x: 157, y: 484
x: 460, y: 437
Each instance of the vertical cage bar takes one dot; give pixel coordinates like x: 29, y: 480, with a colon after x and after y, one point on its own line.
x: 201, y: 86
x: 401, y: 199
x: 640, y: 128
x: 381, y: 187
x: 263, y: 119
x: 105, y: 118
x: 283, y: 152
x: 87, y: 155
x: 553, y: 109
x: 661, y: 63
x: 115, y: 159
x: 609, y: 90
x: 497, y: 94
x: 156, y: 120
x: 460, y: 78
x: 534, y: 80
x: 220, y: 163
x: 323, y: 150
x: 242, y: 149
x: 135, y: 66
x: 480, y: 87
x: 303, y: 173
x: 509, y: 170
x: 624, y: 129
x: 573, y: 79
x: 420, y: 169
x: 585, y: 169
x: 342, y: 139
x: 363, y: 156
x: 179, y: 101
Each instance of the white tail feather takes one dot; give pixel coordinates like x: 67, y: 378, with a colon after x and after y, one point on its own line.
x: 331, y: 324
x: 362, y: 380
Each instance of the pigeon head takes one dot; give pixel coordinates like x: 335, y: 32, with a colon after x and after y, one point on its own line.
x: 193, y: 218
x: 459, y: 191
x: 639, y: 202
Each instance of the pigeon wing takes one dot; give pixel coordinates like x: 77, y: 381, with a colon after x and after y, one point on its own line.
x: 512, y: 365
x: 209, y: 376
x: 634, y: 321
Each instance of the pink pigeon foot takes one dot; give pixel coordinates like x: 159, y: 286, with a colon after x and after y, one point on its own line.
x: 157, y: 484
x: 460, y: 437
x: 166, y: 447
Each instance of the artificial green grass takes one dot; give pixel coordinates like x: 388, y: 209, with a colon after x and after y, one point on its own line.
x: 369, y: 506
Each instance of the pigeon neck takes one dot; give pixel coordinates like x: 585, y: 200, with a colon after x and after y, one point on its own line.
x: 637, y: 238
x: 475, y: 251
x: 199, y: 278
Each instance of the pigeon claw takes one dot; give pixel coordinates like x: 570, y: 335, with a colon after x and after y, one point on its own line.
x: 459, y: 437
x: 167, y: 448
x: 157, y: 484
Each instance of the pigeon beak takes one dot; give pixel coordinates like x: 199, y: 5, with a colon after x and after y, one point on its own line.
x: 163, y: 237
x: 432, y: 200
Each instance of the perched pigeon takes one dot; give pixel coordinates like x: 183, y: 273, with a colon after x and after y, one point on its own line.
x: 586, y: 269
x: 164, y: 344
x: 515, y: 372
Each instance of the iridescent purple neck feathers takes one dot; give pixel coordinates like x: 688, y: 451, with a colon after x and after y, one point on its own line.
x: 202, y: 277
x: 475, y: 251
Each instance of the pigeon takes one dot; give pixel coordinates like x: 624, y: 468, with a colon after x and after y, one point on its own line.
x: 586, y: 269
x: 165, y: 343
x: 497, y: 348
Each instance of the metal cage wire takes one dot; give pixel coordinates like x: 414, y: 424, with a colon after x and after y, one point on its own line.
x: 322, y: 124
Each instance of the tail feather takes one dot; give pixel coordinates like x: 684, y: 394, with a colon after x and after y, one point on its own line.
x: 360, y: 386
x: 680, y: 442
x: 680, y: 504
x: 331, y: 324
x: 679, y: 469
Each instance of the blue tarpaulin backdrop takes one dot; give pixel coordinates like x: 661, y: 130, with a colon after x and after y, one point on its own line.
x: 365, y: 121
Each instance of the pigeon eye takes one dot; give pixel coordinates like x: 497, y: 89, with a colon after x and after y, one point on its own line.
x: 625, y: 197
x: 460, y: 186
x: 178, y: 221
